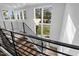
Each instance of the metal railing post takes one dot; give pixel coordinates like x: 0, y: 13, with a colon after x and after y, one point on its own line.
x: 12, y: 35
x: 23, y: 28
x: 42, y: 45
x: 12, y: 26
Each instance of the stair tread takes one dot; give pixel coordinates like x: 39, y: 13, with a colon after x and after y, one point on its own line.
x: 24, y: 45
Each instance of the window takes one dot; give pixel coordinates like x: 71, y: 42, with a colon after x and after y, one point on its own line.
x: 38, y: 29
x: 38, y: 13
x: 5, y: 14
x: 47, y: 16
x: 25, y: 14
x: 21, y: 15
x: 17, y: 16
x: 12, y: 15
x: 46, y: 29
x: 43, y: 20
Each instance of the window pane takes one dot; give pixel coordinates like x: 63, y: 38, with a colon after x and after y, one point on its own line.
x: 46, y: 29
x: 38, y: 29
x: 25, y: 15
x: 21, y: 15
x: 5, y: 14
x: 38, y: 13
x: 12, y: 15
x: 47, y: 16
x: 17, y: 16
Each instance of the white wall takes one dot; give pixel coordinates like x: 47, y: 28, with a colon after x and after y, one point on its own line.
x: 73, y: 11
x: 30, y: 16
x: 56, y: 21
x: 1, y: 15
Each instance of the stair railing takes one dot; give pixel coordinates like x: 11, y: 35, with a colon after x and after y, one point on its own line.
x: 28, y: 30
x: 41, y: 39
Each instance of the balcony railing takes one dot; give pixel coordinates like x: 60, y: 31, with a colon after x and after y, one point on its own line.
x: 12, y: 45
x: 24, y: 29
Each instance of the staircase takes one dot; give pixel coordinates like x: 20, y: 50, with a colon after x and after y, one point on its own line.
x: 22, y: 46
x: 25, y: 48
x: 2, y: 54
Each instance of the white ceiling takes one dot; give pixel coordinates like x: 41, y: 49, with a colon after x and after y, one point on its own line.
x: 17, y: 5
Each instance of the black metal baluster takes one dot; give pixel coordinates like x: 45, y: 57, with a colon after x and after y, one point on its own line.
x: 12, y: 35
x: 12, y: 26
x: 42, y: 46
x: 23, y: 28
